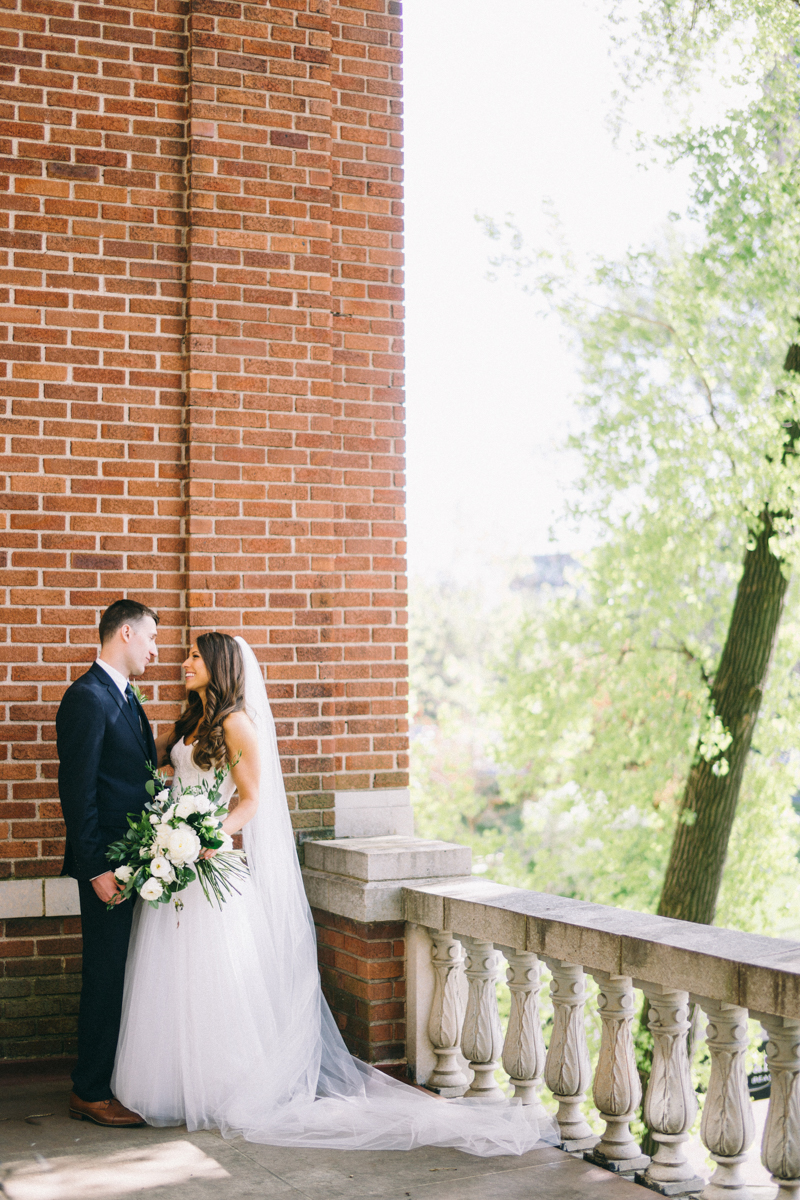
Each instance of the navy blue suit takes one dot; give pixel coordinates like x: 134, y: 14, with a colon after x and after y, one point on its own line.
x: 104, y: 746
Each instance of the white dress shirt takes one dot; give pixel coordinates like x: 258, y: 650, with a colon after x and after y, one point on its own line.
x: 117, y: 676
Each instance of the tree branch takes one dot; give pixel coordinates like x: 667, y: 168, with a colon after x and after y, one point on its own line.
x: 623, y: 312
x: 684, y: 650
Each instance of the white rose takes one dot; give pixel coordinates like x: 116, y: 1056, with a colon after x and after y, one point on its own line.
x: 123, y: 874
x: 161, y: 837
x: 162, y: 796
x: 183, y: 845
x: 202, y: 804
x: 185, y: 807
x: 154, y: 818
x: 162, y: 868
x: 151, y: 889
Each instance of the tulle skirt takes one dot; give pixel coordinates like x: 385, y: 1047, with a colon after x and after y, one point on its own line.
x: 210, y: 1038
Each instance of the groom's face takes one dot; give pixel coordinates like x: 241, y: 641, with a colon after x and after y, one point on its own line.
x: 141, y: 645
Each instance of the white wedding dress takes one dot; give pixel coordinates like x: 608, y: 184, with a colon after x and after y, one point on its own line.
x: 224, y: 1025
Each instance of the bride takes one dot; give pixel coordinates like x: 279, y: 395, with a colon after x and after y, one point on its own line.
x: 224, y: 1025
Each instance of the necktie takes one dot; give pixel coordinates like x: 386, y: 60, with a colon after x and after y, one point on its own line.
x: 134, y: 707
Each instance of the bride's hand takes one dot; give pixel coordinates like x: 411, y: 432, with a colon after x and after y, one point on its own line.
x: 207, y: 853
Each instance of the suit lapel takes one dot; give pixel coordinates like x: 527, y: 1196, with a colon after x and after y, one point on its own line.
x: 121, y: 703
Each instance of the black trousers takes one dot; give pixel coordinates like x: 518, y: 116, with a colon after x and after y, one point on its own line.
x: 105, y: 949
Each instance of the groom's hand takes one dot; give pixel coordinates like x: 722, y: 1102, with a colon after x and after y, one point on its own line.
x: 107, y: 887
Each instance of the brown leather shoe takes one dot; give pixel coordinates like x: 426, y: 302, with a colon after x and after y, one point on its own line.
x: 103, y: 1112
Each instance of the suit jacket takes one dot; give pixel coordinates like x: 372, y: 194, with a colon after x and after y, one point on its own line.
x: 103, y: 747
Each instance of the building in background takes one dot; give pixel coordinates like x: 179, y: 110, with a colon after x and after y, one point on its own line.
x: 201, y: 319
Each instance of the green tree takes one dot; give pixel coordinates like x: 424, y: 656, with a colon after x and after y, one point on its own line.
x: 689, y: 407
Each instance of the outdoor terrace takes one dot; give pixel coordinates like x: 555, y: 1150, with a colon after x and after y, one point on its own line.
x: 460, y: 934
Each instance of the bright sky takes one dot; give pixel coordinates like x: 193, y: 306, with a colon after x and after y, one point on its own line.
x: 506, y: 104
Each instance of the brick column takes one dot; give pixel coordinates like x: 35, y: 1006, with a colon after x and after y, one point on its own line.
x: 368, y: 458
x: 364, y: 980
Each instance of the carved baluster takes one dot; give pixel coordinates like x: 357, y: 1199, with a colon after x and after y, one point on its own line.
x: 727, y: 1127
x: 670, y: 1105
x: 482, y: 1037
x: 447, y: 1014
x: 780, y: 1149
x: 617, y: 1090
x: 567, y: 1068
x: 523, y: 1049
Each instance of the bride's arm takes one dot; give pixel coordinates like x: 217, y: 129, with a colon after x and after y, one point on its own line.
x: 162, y: 742
x: 242, y: 746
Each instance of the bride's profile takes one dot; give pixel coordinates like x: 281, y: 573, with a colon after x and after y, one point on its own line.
x: 224, y: 1024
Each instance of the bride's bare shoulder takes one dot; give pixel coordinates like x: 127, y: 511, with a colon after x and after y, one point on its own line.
x: 239, y: 726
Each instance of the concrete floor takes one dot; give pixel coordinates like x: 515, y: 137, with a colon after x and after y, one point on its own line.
x: 46, y: 1156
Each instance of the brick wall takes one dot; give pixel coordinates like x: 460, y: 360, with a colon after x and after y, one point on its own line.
x: 200, y: 323
x: 40, y: 963
x: 363, y: 978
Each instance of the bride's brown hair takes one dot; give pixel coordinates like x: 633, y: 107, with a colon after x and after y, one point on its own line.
x: 224, y: 695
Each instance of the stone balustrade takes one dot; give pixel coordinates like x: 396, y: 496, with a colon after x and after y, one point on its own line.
x: 459, y: 931
x: 456, y: 930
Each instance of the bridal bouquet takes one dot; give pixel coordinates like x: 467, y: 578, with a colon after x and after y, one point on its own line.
x: 160, y: 854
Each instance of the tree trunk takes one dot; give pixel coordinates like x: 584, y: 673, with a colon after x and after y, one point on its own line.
x: 700, y: 844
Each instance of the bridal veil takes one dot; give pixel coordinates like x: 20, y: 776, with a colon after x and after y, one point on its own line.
x: 317, y: 1094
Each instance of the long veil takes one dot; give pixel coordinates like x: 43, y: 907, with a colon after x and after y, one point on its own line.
x: 307, y: 1089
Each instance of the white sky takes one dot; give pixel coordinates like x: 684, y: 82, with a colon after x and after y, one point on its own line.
x: 506, y: 104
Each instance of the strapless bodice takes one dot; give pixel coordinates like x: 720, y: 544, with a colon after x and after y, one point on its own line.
x: 188, y: 773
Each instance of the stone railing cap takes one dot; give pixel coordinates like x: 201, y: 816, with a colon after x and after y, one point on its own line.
x: 756, y: 972
x: 396, y: 856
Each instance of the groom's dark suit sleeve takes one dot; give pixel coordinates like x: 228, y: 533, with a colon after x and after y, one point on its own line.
x: 80, y: 728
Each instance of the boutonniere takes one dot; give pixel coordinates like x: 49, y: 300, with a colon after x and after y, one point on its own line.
x: 139, y: 694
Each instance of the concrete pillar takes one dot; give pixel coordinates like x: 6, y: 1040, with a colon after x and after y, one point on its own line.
x: 354, y: 886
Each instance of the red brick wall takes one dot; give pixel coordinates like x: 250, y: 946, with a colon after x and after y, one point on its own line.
x: 363, y: 977
x: 39, y: 986
x: 367, y: 632
x: 200, y: 323
x: 91, y: 287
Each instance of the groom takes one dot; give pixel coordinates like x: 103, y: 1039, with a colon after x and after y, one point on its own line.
x: 104, y: 745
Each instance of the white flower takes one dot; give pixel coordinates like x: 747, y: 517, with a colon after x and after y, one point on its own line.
x: 202, y: 804
x: 227, y: 842
x: 183, y: 845
x: 151, y: 889
x: 154, y: 818
x: 123, y: 873
x: 162, y: 796
x: 161, y: 837
x: 162, y: 868
x: 185, y: 807
x: 168, y: 813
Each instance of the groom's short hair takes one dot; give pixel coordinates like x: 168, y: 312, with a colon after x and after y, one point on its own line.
x: 122, y: 612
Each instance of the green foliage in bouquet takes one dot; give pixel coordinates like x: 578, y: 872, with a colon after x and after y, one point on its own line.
x: 160, y: 854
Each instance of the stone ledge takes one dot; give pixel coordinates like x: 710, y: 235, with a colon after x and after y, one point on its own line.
x: 374, y: 859
x: 56, y: 896
x: 357, y: 900
x: 755, y: 972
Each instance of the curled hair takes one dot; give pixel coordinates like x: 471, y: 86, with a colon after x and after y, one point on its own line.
x: 224, y: 695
